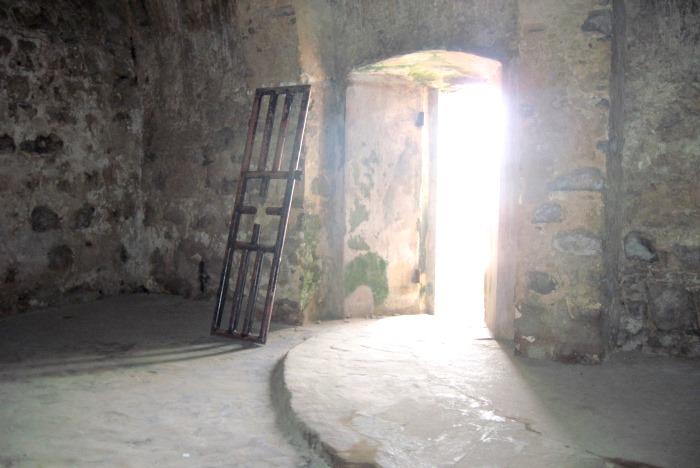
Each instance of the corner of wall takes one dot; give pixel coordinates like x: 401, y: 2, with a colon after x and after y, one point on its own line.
x: 613, y: 189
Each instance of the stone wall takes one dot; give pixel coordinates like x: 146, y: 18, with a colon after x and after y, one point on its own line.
x: 660, y: 162
x: 202, y: 63
x: 336, y: 37
x: 195, y: 107
x: 562, y: 97
x: 70, y: 136
x: 122, y: 126
x: 384, y: 158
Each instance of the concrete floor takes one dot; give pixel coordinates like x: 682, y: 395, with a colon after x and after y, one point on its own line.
x: 137, y: 381
x: 414, y: 391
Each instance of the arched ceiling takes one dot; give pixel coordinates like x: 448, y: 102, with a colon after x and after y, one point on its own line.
x: 441, y: 69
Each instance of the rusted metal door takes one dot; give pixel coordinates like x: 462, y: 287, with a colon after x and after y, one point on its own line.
x: 245, y: 320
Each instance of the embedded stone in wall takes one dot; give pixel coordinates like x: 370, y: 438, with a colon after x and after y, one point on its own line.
x: 5, y: 46
x: 44, y: 219
x: 671, y: 308
x: 583, y: 179
x: 541, y: 282
x: 7, y: 144
x: 18, y: 88
x: 61, y: 115
x: 23, y: 58
x: 578, y: 242
x: 633, y: 322
x: 689, y: 256
x: 638, y: 246
x: 83, y: 217
x: 60, y: 258
x: 31, y: 16
x: 42, y: 144
x: 599, y: 21
x: 123, y: 253
x: 547, y: 213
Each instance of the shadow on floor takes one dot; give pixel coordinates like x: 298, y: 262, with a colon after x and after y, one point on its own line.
x: 587, y: 402
x: 109, y: 334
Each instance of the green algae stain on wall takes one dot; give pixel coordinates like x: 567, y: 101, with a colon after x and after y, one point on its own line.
x: 358, y: 215
x: 308, y: 258
x: 368, y: 269
x: 357, y: 243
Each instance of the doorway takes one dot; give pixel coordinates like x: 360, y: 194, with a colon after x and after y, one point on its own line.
x: 422, y: 143
x: 470, y: 144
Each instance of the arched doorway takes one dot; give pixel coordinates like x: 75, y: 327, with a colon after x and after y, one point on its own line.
x: 420, y: 131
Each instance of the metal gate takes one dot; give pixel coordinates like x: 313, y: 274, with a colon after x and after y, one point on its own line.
x: 245, y: 322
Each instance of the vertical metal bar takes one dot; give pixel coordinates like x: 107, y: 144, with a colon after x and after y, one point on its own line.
x: 265, y: 147
x: 267, y: 133
x: 240, y: 282
x: 252, y: 294
x: 282, y: 135
x: 235, y: 218
x: 282, y: 230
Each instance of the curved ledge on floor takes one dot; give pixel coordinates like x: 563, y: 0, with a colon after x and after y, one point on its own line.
x: 417, y: 391
x: 303, y: 433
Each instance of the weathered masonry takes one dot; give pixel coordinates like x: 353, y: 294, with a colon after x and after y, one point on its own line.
x: 122, y: 126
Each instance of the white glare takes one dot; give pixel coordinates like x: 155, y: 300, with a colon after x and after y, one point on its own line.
x: 471, y: 134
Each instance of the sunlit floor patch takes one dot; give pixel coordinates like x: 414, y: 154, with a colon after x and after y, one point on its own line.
x: 426, y: 395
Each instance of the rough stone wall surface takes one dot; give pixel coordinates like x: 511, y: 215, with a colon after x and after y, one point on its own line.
x: 563, y: 73
x: 195, y: 103
x: 122, y: 125
x: 195, y: 66
x: 70, y: 135
x: 202, y: 63
x: 660, y: 262
x: 336, y: 37
x: 383, y: 161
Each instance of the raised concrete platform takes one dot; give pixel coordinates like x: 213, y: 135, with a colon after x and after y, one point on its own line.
x: 412, y: 391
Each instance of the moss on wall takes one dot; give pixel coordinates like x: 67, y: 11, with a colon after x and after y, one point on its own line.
x: 308, y: 258
x: 368, y: 269
x: 358, y: 215
x: 422, y: 76
x: 357, y: 243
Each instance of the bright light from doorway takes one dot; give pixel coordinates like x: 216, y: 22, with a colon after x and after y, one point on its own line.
x: 471, y: 134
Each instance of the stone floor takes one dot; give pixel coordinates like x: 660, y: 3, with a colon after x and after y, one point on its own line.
x: 414, y: 391
x: 137, y: 381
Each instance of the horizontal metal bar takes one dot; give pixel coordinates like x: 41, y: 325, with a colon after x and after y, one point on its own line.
x: 274, y: 210
x: 270, y: 174
x: 283, y: 89
x: 250, y: 210
x: 236, y: 335
x: 255, y: 247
